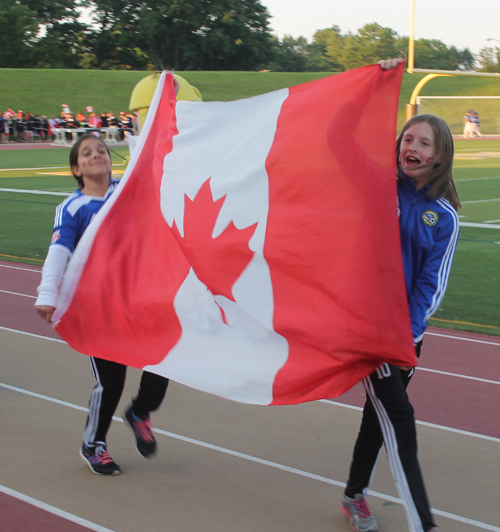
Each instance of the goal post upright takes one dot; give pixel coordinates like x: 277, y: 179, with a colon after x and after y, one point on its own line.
x: 412, y: 106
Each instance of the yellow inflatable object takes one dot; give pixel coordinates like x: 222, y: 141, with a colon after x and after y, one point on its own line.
x: 141, y: 96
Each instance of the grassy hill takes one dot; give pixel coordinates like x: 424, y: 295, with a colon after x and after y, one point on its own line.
x: 43, y: 91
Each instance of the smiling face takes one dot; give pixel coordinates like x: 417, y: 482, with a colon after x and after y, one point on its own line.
x: 418, y: 147
x: 93, y: 161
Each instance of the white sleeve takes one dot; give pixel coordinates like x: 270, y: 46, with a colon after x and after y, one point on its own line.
x: 52, y: 272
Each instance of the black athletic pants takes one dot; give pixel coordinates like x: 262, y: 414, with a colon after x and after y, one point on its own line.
x: 388, y: 417
x: 110, y: 377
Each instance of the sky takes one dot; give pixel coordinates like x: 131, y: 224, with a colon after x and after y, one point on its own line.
x: 461, y: 23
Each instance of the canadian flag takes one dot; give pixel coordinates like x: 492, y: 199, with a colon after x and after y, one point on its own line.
x: 252, y: 247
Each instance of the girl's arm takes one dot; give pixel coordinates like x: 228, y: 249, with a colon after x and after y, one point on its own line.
x: 52, y: 272
x: 430, y: 287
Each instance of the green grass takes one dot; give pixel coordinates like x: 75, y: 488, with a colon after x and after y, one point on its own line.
x: 25, y: 226
x: 26, y: 220
x: 11, y: 159
x: 473, y: 295
x: 453, y: 111
x: 43, y: 91
x: 472, y: 301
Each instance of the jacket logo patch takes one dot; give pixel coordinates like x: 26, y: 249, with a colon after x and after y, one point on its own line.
x: 430, y: 218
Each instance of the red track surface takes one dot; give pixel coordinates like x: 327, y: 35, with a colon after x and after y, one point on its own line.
x: 21, y: 516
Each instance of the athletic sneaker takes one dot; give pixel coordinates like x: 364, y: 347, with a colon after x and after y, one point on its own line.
x: 99, y: 461
x: 143, y: 432
x: 358, y: 513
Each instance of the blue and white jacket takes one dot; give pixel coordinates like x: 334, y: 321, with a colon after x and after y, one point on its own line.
x: 73, y: 216
x: 429, y: 232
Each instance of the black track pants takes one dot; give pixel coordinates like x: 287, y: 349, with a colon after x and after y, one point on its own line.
x: 388, y: 418
x: 110, y: 377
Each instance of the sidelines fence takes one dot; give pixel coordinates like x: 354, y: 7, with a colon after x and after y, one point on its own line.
x: 67, y: 136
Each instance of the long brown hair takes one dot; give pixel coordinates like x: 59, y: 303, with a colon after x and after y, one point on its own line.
x: 440, y: 176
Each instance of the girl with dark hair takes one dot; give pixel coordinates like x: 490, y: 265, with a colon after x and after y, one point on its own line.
x: 91, y: 166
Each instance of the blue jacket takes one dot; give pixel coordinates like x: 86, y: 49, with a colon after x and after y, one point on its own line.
x: 74, y: 214
x: 429, y: 233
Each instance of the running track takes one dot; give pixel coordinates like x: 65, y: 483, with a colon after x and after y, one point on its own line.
x: 456, y: 387
x: 454, y: 379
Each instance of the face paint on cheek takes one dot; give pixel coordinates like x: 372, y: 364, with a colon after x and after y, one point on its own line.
x: 84, y: 164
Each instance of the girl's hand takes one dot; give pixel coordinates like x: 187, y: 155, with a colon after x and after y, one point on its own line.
x: 389, y: 64
x: 45, y: 312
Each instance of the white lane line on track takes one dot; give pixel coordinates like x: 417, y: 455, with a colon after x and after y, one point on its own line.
x: 487, y: 381
x: 429, y: 370
x: 423, y: 423
x: 432, y: 334
x: 58, y: 168
x: 475, y: 179
x: 18, y: 268
x: 114, y: 164
x: 328, y: 401
x: 16, y: 294
x: 33, y: 335
x: 461, y: 338
x: 43, y: 192
x: 53, y: 510
x: 262, y: 461
x: 479, y: 201
x: 480, y: 225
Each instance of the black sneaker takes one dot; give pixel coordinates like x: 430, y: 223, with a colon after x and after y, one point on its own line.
x: 143, y: 432
x: 99, y: 461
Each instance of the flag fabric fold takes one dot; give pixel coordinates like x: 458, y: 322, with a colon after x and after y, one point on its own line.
x: 252, y: 248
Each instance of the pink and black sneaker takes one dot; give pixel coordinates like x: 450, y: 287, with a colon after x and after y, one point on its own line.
x: 99, y: 461
x: 143, y: 432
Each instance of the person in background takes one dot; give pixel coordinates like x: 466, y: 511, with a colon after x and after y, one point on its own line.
x: 104, y: 120
x: 468, y: 124
x: 45, y: 128
x: 29, y: 127
x: 53, y: 124
x: 3, y: 124
x: 104, y: 124
x: 81, y: 117
x: 475, y: 124
x: 112, y: 120
x: 38, y: 127
x: 10, y: 126
x: 95, y: 123
x: 20, y: 126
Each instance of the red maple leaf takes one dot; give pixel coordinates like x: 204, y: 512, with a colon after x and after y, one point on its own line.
x: 217, y: 262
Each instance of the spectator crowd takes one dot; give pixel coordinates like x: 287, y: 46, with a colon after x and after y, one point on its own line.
x: 29, y: 127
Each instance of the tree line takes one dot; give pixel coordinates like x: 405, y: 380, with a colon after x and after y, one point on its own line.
x: 199, y: 35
